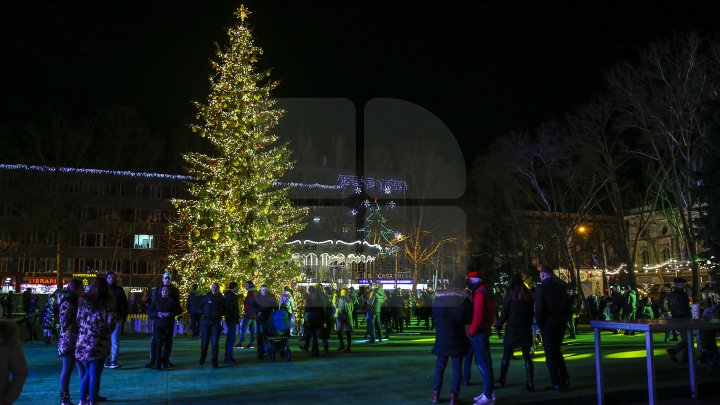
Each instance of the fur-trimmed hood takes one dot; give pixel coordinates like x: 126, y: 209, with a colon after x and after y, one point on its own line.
x: 9, y: 332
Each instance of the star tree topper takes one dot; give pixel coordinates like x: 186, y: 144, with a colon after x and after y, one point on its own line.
x: 242, y: 13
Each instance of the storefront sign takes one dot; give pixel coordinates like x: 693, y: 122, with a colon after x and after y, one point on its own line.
x: 41, y: 280
x: 381, y: 281
x: 84, y: 275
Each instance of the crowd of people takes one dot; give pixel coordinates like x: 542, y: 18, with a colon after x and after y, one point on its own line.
x: 88, y: 324
x: 466, y: 314
x: 524, y: 315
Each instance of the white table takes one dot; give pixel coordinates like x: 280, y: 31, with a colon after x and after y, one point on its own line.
x: 649, y: 326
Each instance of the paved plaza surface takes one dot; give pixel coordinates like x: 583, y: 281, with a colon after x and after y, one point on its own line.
x: 398, y: 371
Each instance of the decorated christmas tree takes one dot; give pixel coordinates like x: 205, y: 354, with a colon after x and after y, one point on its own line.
x: 238, y: 219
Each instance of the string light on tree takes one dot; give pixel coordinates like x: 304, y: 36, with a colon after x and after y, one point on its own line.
x: 239, y: 219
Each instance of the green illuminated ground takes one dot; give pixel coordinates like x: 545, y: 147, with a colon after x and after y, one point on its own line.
x: 394, y: 372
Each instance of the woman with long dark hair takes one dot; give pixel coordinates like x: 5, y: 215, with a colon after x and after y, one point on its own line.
x: 68, y: 335
x: 96, y: 321
x: 517, y: 315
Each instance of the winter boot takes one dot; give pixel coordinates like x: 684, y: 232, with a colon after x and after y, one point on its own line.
x: 529, y: 376
x: 504, y: 365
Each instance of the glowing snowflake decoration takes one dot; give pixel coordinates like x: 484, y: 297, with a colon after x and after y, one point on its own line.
x: 353, y: 212
x: 387, y: 190
x: 366, y: 203
x: 358, y: 190
x: 391, y: 204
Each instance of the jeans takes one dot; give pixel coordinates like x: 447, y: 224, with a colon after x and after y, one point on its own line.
x: 195, y: 324
x: 230, y: 340
x: 210, y: 332
x: 373, y: 324
x: 571, y: 327
x: 115, y: 342
x: 90, y: 383
x: 312, y: 329
x: 467, y: 366
x: 68, y: 363
x: 163, y: 341
x: 247, y: 323
x: 481, y: 350
x: 440, y: 364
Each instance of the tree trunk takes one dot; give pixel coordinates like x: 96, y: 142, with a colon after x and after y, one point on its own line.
x: 416, y: 270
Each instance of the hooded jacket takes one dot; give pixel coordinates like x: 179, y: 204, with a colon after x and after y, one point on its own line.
x: 451, y: 310
x: 68, y: 333
x: 484, y: 309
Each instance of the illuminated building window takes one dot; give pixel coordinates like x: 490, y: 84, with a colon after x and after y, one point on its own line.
x: 144, y: 242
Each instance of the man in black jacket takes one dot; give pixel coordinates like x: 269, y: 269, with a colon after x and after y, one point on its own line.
x: 212, y: 307
x: 162, y: 311
x: 552, y: 312
x: 679, y: 306
x: 263, y: 304
x: 120, y: 303
x: 193, y: 302
x: 174, y: 294
x: 232, y: 318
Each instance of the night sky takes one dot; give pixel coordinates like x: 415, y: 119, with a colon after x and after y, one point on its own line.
x: 483, y: 68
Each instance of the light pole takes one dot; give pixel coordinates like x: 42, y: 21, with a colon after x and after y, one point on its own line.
x: 399, y: 237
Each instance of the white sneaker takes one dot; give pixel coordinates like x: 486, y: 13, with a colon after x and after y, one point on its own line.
x: 477, y: 398
x: 483, y: 400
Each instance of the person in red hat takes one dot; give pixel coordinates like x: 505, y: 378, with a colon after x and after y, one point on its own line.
x: 484, y: 310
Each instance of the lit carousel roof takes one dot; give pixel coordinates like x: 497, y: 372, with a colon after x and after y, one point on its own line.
x: 317, y: 239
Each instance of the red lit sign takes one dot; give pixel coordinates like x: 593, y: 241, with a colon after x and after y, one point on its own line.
x: 40, y: 280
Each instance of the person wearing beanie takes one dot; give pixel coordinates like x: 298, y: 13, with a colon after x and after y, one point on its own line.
x: 552, y: 312
x: 232, y: 318
x: 483, y: 317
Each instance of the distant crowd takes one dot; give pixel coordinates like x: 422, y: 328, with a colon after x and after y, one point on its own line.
x: 88, y: 325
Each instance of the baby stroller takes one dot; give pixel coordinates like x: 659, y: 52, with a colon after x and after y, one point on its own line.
x: 277, y: 334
